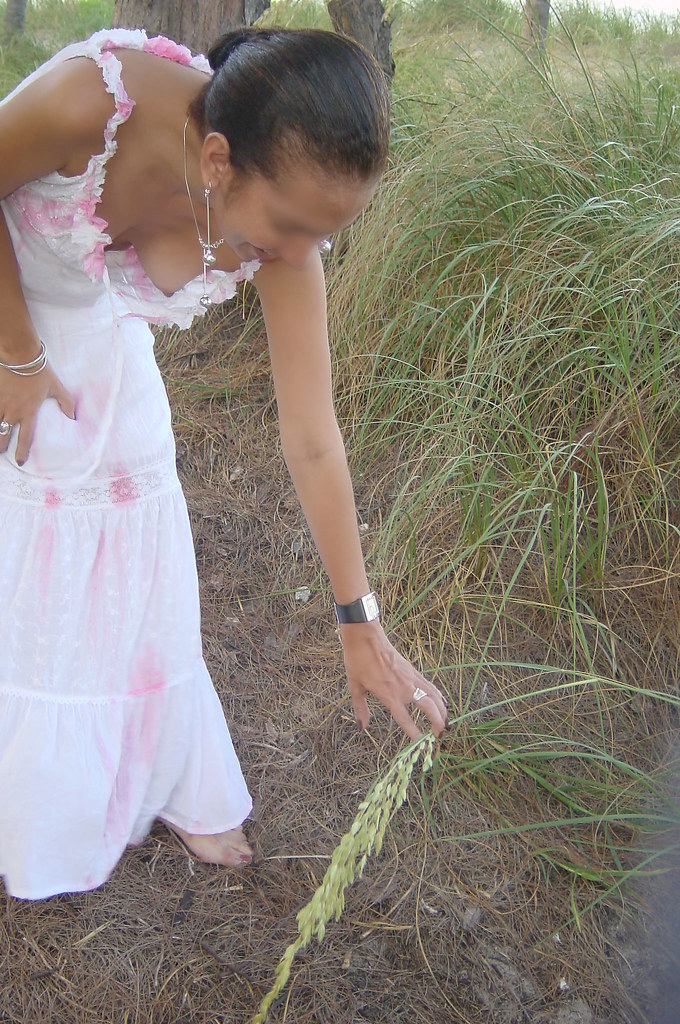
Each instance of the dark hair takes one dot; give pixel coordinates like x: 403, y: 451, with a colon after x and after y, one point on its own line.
x: 280, y: 96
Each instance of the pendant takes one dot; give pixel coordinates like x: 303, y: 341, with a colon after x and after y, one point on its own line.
x: 206, y: 301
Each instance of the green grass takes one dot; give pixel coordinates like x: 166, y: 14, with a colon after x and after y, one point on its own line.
x: 50, y: 24
x: 505, y: 320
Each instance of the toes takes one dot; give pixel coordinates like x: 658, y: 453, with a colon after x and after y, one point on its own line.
x: 236, y: 847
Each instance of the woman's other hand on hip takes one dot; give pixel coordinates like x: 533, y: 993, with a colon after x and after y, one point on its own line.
x: 20, y: 400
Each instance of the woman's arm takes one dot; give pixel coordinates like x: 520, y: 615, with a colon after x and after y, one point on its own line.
x: 294, y: 307
x: 47, y: 126
x: 21, y: 397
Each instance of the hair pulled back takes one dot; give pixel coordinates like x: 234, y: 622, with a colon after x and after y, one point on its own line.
x: 281, y: 96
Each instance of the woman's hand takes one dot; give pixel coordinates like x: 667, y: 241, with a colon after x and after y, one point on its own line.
x: 374, y: 666
x: 20, y: 399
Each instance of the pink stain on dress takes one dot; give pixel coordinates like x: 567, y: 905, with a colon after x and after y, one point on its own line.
x: 42, y: 214
x: 95, y: 261
x: 147, y: 674
x: 138, y: 748
x: 123, y: 490
x: 147, y: 682
x: 92, y: 408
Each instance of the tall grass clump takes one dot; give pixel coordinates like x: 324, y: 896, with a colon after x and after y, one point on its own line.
x: 436, y: 16
x: 506, y: 319
x: 296, y: 14
x: 605, y: 24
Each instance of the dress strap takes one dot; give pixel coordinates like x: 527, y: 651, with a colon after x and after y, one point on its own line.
x: 99, y: 48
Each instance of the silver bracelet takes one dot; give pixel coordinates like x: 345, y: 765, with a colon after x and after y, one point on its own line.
x: 31, y: 368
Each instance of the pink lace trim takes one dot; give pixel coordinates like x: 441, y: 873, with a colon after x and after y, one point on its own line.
x: 163, y: 47
x: 180, y: 308
x: 89, y: 230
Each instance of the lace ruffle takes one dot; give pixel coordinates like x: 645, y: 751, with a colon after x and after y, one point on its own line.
x: 89, y: 231
x: 145, y: 300
x: 119, y: 490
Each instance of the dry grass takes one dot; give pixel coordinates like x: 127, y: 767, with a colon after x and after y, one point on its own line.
x: 435, y: 931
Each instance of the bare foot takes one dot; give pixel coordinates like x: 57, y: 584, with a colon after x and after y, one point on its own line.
x: 228, y: 848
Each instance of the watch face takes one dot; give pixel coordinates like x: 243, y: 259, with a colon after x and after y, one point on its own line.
x: 371, y: 606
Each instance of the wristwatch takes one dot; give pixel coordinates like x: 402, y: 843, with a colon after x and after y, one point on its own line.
x: 364, y: 609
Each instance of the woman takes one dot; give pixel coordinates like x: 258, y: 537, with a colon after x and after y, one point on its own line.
x: 140, y: 187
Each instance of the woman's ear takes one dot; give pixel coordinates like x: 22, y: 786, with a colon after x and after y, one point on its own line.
x: 215, y: 159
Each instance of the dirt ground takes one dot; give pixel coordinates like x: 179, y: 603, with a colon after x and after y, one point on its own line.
x: 434, y: 932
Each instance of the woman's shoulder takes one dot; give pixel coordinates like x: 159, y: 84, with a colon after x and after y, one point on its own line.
x: 103, y: 58
x: 73, y: 96
x: 137, y: 40
x: 104, y: 46
x: 55, y: 121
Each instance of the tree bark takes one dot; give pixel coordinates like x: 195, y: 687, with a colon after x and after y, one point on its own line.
x: 196, y: 23
x: 535, y: 25
x: 365, y: 21
x: 15, y: 15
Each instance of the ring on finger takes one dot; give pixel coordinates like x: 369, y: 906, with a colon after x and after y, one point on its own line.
x: 5, y: 428
x: 418, y: 694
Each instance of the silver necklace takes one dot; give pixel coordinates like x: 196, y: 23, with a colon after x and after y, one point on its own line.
x: 206, y: 245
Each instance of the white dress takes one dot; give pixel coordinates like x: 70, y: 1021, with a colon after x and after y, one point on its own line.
x: 108, y: 718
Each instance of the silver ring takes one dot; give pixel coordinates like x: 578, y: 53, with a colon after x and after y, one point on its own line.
x: 5, y: 428
x: 418, y: 694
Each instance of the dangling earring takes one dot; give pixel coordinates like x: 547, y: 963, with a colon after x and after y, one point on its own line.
x: 207, y: 246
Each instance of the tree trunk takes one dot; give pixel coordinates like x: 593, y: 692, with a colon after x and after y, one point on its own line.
x: 365, y: 21
x: 535, y: 26
x: 196, y: 23
x: 15, y: 15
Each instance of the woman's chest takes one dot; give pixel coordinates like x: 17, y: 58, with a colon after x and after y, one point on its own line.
x: 141, y: 213
x: 171, y: 258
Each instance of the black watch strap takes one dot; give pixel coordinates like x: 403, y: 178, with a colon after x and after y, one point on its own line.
x: 364, y: 609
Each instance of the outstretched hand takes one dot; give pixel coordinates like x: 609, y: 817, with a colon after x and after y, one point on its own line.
x: 374, y: 666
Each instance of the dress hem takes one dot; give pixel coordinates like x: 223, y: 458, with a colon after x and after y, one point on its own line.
x: 165, y: 818
x: 67, y: 890
x: 185, y: 824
